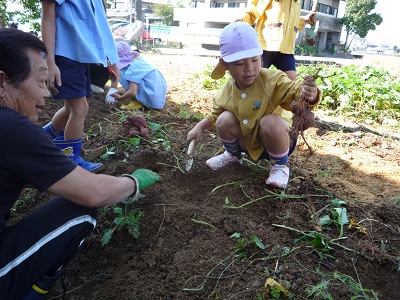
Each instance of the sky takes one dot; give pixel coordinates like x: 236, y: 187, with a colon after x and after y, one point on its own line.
x: 386, y: 32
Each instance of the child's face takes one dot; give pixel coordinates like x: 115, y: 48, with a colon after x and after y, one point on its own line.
x: 244, y: 71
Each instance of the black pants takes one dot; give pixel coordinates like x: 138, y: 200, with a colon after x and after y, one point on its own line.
x: 41, y: 243
x: 99, y: 75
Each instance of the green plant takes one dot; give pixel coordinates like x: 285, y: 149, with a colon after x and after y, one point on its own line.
x: 320, y: 290
x: 356, y: 291
x: 241, y: 247
x: 275, y: 293
x: 306, y: 50
x: 319, y: 244
x: 24, y: 197
x: 339, y: 216
x: 124, y: 218
x: 212, y: 84
x: 187, y: 115
x: 91, y: 133
x: 364, y: 92
x: 109, y: 153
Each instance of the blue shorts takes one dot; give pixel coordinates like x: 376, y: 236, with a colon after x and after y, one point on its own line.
x: 283, y: 62
x: 75, y: 79
x: 265, y: 155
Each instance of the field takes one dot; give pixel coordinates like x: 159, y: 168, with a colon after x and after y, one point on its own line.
x: 222, y: 234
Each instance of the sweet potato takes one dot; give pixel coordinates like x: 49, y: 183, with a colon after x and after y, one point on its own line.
x: 144, y: 131
x: 133, y: 132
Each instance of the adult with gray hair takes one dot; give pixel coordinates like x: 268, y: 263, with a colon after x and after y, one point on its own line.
x: 35, y: 250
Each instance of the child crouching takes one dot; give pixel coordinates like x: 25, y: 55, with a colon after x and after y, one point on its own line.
x: 243, y: 112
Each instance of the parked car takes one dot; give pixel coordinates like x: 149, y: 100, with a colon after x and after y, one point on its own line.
x: 118, y: 25
x: 121, y: 30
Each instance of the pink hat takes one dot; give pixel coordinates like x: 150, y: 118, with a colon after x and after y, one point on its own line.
x: 125, y: 53
x: 237, y: 41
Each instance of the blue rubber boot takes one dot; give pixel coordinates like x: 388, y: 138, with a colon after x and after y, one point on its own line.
x: 72, y: 149
x: 50, y: 130
x: 42, y: 287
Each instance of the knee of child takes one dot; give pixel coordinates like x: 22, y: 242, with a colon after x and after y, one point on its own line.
x: 227, y: 119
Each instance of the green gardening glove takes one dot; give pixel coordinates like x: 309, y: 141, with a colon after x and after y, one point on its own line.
x: 145, y: 178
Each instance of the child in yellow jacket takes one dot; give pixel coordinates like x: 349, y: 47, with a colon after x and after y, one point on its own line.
x: 242, y: 111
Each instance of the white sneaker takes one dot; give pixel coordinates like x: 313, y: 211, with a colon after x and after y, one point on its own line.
x: 96, y: 89
x: 278, y: 176
x: 220, y: 161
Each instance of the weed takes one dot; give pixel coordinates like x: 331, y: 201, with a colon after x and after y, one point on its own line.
x: 109, y: 153
x: 241, y: 247
x: 397, y: 200
x: 339, y: 214
x: 91, y: 133
x: 320, y: 290
x: 124, y: 218
x: 357, y: 290
x: 23, y: 199
x: 133, y: 142
x: 211, y: 84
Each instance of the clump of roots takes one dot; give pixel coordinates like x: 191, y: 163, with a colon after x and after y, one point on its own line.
x: 303, y: 117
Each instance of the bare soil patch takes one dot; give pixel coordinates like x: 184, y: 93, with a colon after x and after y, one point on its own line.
x: 185, y: 250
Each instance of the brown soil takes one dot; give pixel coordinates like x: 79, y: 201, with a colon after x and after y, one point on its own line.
x: 186, y: 249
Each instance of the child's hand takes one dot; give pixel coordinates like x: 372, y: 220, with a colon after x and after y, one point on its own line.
x: 117, y: 96
x: 54, y: 77
x: 197, y: 130
x: 195, y: 133
x: 110, y: 99
x: 309, y: 91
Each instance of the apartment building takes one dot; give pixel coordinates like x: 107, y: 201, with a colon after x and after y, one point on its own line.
x: 204, y: 20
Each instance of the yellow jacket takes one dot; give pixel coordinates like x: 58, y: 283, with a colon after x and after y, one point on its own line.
x: 277, y: 23
x: 271, y: 89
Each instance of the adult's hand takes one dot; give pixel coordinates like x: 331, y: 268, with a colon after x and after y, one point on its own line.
x: 143, y: 179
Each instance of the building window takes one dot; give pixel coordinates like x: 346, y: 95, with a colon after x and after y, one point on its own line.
x: 327, y: 9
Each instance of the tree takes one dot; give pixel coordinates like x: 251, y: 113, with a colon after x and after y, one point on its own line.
x: 358, y: 18
x: 165, y: 12
x: 30, y: 10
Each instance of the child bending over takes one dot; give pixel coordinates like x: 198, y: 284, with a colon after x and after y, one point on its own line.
x: 141, y: 80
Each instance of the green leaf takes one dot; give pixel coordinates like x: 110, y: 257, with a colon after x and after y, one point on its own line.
x: 135, y: 141
x: 118, y: 210
x: 318, y: 242
x: 154, y: 126
x: 134, y: 231
x: 106, y: 237
x: 342, y: 215
x: 337, y: 202
x: 119, y: 220
x: 325, y: 220
x: 235, y: 235
x: 257, y: 241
